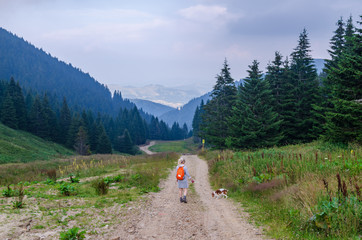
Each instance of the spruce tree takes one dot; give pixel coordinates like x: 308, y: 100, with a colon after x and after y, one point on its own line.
x: 137, y: 125
x: 307, y: 91
x: 73, y: 131
x: 218, y: 110
x: 104, y: 145
x: 126, y: 145
x: 81, y: 142
x: 274, y: 76
x: 19, y: 104
x: 8, y: 112
x: 337, y: 44
x: 51, y: 127
x: 254, y: 123
x: 37, y: 120
x: 344, y: 118
x: 65, y: 121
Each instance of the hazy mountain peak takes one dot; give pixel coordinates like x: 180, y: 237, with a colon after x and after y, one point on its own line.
x: 173, y: 97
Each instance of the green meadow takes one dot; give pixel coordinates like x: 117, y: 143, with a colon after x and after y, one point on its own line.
x: 305, y: 191
x: 22, y: 147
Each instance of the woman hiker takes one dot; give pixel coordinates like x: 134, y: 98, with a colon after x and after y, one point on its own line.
x: 182, y: 184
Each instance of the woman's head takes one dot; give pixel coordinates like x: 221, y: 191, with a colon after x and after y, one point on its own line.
x: 181, y: 161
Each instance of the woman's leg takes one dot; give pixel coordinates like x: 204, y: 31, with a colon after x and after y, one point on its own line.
x: 184, y: 197
x: 180, y: 192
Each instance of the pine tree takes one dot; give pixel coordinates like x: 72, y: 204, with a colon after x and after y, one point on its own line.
x: 196, y: 123
x: 218, y: 110
x: 73, y: 131
x: 337, y: 44
x: 19, y: 104
x: 65, y: 121
x: 307, y: 91
x: 253, y: 122
x: 344, y: 118
x: 37, y: 120
x: 104, y: 145
x: 81, y: 143
x: 137, y: 129
x: 8, y: 112
x: 51, y: 127
x: 274, y: 76
x: 126, y: 145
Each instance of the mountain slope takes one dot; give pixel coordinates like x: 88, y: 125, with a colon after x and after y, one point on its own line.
x: 152, y: 108
x: 19, y: 146
x: 186, y: 113
x: 37, y: 70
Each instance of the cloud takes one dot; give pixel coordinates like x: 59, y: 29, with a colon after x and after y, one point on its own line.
x: 99, y: 27
x: 202, y: 13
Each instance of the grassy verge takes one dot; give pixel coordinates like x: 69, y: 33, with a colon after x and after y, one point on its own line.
x: 307, y: 191
x: 22, y: 147
x: 96, y: 198
x: 182, y: 146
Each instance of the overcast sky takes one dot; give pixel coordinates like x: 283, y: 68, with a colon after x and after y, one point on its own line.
x: 172, y: 42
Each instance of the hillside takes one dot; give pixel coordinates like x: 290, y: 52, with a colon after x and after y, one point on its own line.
x: 19, y: 146
x: 186, y: 113
x: 35, y: 69
x: 152, y: 108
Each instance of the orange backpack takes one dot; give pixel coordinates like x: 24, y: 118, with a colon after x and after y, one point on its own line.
x: 180, y: 173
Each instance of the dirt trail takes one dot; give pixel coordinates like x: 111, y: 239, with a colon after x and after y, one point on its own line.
x: 145, y: 148
x: 153, y: 216
x: 164, y: 217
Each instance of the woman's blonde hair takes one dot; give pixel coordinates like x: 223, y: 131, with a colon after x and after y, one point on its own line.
x: 181, y: 161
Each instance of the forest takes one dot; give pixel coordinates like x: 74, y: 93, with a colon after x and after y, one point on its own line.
x: 82, y: 130
x: 290, y: 103
x: 58, y: 102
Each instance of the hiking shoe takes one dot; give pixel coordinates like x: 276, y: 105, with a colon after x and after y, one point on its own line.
x: 181, y: 200
x: 184, y: 199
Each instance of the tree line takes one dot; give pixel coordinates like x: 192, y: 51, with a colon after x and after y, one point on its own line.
x: 80, y: 129
x: 289, y: 104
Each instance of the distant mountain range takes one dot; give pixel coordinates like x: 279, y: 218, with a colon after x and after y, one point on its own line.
x: 173, y: 97
x: 152, y: 108
x: 186, y: 113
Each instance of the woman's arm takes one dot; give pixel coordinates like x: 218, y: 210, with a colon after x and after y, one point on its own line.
x: 187, y: 172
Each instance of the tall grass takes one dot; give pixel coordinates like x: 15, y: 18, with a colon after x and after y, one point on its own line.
x: 181, y: 146
x: 81, y: 166
x: 286, y: 187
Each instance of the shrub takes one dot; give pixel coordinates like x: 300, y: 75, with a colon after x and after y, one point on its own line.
x: 101, y: 186
x: 66, y: 189
x: 72, y: 234
x: 118, y: 178
x: 8, y: 192
x: 19, y: 203
x: 49, y: 181
x: 108, y: 180
x: 73, y: 178
x: 336, y: 216
x: 52, y: 174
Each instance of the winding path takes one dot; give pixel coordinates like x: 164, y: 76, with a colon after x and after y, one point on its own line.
x: 164, y: 217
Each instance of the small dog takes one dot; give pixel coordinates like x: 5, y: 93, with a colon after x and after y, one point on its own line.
x: 220, y: 193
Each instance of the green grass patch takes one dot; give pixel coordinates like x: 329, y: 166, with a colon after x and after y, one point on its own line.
x: 20, y: 147
x: 305, y: 191
x: 181, y: 146
x: 65, y: 203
